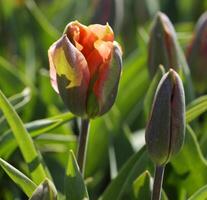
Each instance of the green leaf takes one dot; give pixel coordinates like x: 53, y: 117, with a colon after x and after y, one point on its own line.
x: 141, y: 186
x: 18, y: 101
x: 120, y: 187
x: 24, y: 141
x: 45, y: 191
x: 75, y: 188
x: 27, y: 185
x: 196, y: 108
x: 8, y: 143
x: 201, y: 194
x: 190, y: 165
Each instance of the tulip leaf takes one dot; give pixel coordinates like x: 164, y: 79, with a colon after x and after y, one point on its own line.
x: 201, y: 194
x: 75, y: 188
x: 27, y: 185
x: 188, y: 163
x: 45, y: 191
x: 24, y: 141
x: 8, y: 143
x: 18, y: 101
x: 196, y: 108
x: 141, y: 186
x: 121, y: 186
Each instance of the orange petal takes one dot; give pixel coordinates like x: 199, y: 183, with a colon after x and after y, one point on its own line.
x: 103, y: 32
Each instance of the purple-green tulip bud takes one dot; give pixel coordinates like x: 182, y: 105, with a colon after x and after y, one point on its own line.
x: 197, y: 54
x: 162, y: 45
x: 85, y: 67
x: 165, y: 130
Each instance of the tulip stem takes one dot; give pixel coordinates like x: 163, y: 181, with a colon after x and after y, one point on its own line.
x: 158, y: 179
x: 82, y: 146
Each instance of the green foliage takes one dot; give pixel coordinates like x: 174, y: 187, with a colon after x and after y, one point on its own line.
x: 36, y: 132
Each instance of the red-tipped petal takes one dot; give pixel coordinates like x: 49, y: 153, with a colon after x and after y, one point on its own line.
x: 72, y: 74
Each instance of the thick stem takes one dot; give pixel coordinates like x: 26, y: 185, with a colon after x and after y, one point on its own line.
x: 157, y: 186
x: 82, y: 146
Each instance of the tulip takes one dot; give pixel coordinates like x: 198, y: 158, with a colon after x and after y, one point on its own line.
x: 166, y: 127
x: 165, y: 50
x: 196, y: 54
x: 85, y: 68
x: 162, y: 45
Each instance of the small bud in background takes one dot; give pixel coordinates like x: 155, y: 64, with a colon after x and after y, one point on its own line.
x: 197, y: 55
x: 166, y: 126
x: 162, y: 45
x: 165, y: 50
x: 85, y: 67
x: 45, y: 191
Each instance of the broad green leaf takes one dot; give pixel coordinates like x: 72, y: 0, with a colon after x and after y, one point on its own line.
x: 201, y: 194
x: 27, y: 185
x: 121, y: 186
x: 25, y: 143
x: 8, y: 143
x: 190, y: 165
x: 141, y: 186
x: 45, y: 191
x: 196, y: 108
x: 75, y: 188
x: 148, y: 100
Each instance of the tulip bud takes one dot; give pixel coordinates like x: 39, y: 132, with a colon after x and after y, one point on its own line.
x: 166, y: 127
x: 162, y: 45
x: 85, y: 67
x: 165, y: 50
x: 196, y: 54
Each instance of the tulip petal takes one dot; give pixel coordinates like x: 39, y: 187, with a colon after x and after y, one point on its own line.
x: 81, y: 37
x: 72, y: 74
x: 103, y: 32
x: 106, y: 86
x: 110, y: 83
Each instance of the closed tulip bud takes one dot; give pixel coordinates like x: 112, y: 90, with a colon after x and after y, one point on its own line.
x: 196, y: 54
x: 162, y: 45
x: 85, y: 67
x: 165, y: 50
x: 166, y: 127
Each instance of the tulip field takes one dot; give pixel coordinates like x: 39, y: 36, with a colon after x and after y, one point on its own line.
x: 103, y: 100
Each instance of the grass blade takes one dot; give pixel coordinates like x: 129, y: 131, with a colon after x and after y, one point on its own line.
x: 27, y: 185
x: 196, y: 108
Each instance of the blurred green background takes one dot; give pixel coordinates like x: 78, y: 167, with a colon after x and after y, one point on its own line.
x: 28, y: 28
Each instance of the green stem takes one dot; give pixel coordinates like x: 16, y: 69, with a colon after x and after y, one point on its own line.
x: 157, y: 186
x: 82, y: 146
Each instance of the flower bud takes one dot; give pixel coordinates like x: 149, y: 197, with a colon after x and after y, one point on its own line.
x: 162, y: 45
x: 166, y: 127
x: 165, y: 50
x: 85, y: 67
x: 196, y: 54
x: 45, y: 191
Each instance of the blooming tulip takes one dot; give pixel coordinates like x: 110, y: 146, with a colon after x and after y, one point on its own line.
x: 85, y: 68
x: 166, y: 127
